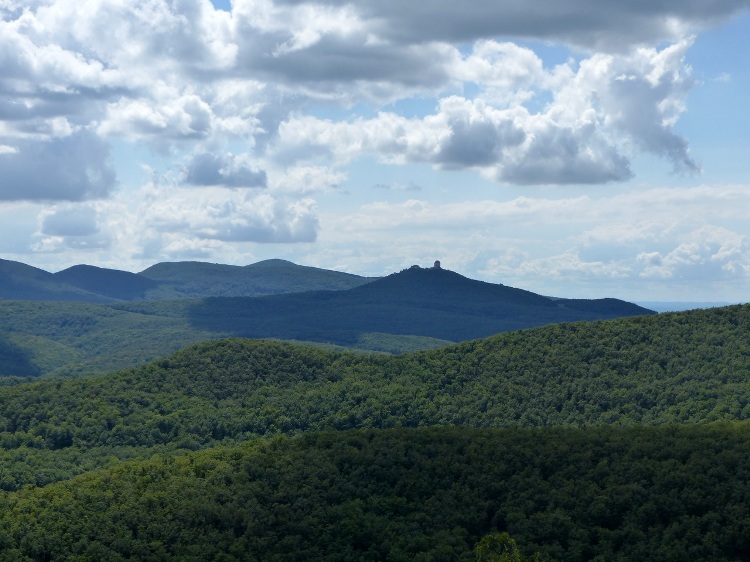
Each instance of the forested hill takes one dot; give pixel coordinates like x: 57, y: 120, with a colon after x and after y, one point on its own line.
x: 415, y: 309
x: 622, y: 439
x: 87, y: 283
x: 432, y: 494
x: 430, y: 302
x: 689, y: 367
x: 430, y: 286
x: 267, y: 277
x: 24, y: 282
x: 110, y: 284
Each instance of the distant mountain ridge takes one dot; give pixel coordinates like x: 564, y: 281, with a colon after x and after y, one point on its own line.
x: 169, y: 280
x: 109, y: 283
x: 267, y: 277
x: 431, y: 302
x: 19, y: 281
x: 417, y: 308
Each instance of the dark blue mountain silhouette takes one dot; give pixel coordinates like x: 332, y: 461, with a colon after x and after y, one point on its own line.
x: 427, y: 302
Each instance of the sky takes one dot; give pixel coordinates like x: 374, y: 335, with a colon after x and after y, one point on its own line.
x: 587, y: 148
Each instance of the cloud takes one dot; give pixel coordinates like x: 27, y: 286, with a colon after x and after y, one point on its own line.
x: 298, y: 97
x: 586, y: 23
x: 126, y: 70
x: 656, y: 243
x: 509, y: 145
x: 603, y: 110
x: 69, y: 228
x: 227, y: 170
x: 345, y: 68
x: 71, y: 221
x: 506, y: 72
x: 479, y: 136
x: 185, y: 118
x: 18, y: 226
x: 572, y: 267
x: 705, y: 254
x: 566, y: 155
x: 47, y: 90
x: 165, y: 222
x: 306, y: 179
x: 223, y: 215
x: 73, y: 168
x: 156, y: 34
x: 643, y: 95
x: 265, y: 220
x: 329, y: 50
x: 185, y: 76
x: 417, y: 213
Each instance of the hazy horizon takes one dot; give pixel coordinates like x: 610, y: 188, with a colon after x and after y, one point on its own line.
x: 657, y: 305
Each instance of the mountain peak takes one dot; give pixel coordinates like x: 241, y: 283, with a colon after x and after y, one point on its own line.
x: 430, y: 283
x: 273, y: 262
x: 110, y: 283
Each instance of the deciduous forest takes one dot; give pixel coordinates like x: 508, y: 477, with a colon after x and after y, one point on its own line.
x: 610, y: 440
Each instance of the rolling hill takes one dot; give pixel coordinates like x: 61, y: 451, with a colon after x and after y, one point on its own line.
x: 429, y: 302
x: 176, y: 280
x: 565, y: 436
x: 609, y: 440
x: 433, y: 494
x: 690, y: 367
x: 23, y: 282
x: 413, y: 309
x: 268, y: 277
x: 110, y: 284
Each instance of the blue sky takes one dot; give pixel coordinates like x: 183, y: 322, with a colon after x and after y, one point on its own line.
x: 578, y: 149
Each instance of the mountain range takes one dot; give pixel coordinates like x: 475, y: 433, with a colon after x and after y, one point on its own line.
x: 47, y: 331
x: 431, y: 302
x: 621, y: 439
x: 171, y: 280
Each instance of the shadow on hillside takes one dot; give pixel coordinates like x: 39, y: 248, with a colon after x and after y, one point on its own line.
x: 343, y: 319
x: 14, y: 361
x: 294, y: 317
x: 431, y: 303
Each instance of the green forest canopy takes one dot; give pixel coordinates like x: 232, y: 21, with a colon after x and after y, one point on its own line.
x: 416, y: 308
x: 568, y: 494
x: 675, y: 368
x: 610, y: 440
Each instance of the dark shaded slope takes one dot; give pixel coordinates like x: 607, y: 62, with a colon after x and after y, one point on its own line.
x: 269, y: 277
x: 607, y: 308
x: 14, y: 361
x: 571, y: 495
x: 86, y: 283
x: 24, y: 282
x: 113, y: 283
x: 77, y: 337
x: 427, y: 302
